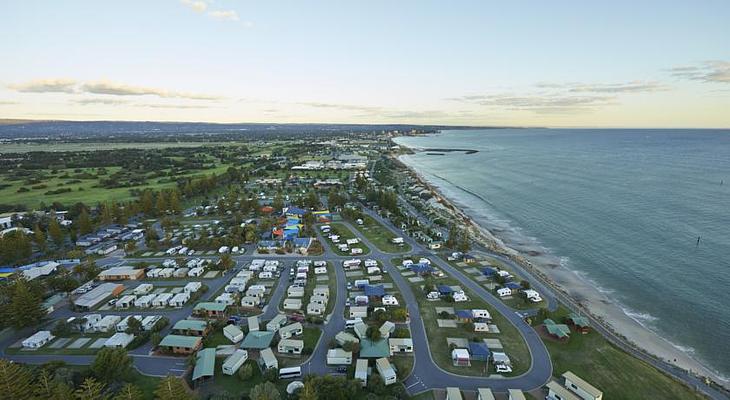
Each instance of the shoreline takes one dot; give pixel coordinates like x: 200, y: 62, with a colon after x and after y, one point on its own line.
x: 577, y: 292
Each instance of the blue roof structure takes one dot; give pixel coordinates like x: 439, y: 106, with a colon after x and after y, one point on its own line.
x: 489, y: 271
x: 464, y: 314
x: 376, y: 290
x: 421, y: 268
x: 302, y: 242
x: 479, y: 351
x: 295, y: 211
x: 513, y: 285
x: 444, y: 289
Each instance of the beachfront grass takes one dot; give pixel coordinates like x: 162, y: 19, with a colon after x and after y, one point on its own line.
x: 345, y: 233
x: 615, y: 372
x: 380, y: 236
x: 510, y: 338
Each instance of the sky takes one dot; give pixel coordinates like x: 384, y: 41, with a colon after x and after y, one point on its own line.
x: 509, y: 63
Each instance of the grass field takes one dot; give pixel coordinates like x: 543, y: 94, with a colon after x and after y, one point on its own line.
x: 380, y: 236
x: 92, y: 146
x: 82, y: 190
x: 345, y: 233
x: 619, y: 375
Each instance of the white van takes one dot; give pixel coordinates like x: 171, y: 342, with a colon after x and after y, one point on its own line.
x: 351, y: 322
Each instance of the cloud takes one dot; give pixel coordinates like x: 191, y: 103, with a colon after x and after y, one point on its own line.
x: 539, y: 102
x: 105, y: 101
x: 227, y: 15
x: 172, y: 106
x: 120, y: 89
x: 46, y: 86
x: 197, y: 6
x: 7, y: 103
x: 344, y: 107
x: 710, y: 71
x: 621, y: 87
x: 103, y: 88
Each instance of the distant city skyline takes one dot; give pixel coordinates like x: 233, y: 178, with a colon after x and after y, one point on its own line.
x: 561, y: 64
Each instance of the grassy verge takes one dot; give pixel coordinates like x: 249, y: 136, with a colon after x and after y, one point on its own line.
x: 345, y: 233
x: 615, y: 372
x: 380, y: 236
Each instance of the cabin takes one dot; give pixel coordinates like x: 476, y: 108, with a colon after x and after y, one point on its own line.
x: 179, y: 344
x: 295, y: 291
x: 386, y: 371
x: 557, y: 392
x: 107, y: 323
x: 314, y: 308
x: 233, y: 333
x: 144, y: 301
x: 295, y: 329
x: 119, y: 340
x: 233, y: 362
x: 277, y: 322
x: 179, y: 299
x: 485, y: 394
x: 210, y: 310
x: 290, y: 346
x: 400, y: 345
x: 358, y: 312
x: 453, y: 393
x: 253, y: 323
x: 292, y: 304
x: 125, y: 301
x: 267, y: 359
x: 191, y: 327
x: 579, y: 323
x: 386, y: 329
x: 361, y: 371
x: 162, y: 300
x: 249, y: 302
x: 460, y: 357
x: 580, y: 387
x: 339, y: 356
x: 143, y: 289
x: 343, y: 337
x: 38, y: 340
x: 204, y: 369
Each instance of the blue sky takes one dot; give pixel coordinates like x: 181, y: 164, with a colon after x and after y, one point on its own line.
x: 644, y: 64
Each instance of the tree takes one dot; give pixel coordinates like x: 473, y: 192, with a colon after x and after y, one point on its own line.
x: 161, y: 204
x: 111, y: 364
x: 155, y: 338
x: 25, y: 307
x: 308, y: 392
x: 87, y: 270
x: 265, y: 391
x: 270, y: 375
x: 134, y: 326
x: 175, y: 201
x: 39, y: 237
x: 15, y: 381
x: 129, y: 392
x: 91, y: 390
x: 84, y: 222
x: 172, y: 388
x: 226, y: 262
x: 130, y: 247
x: 373, y: 334
x: 245, y: 372
x: 57, y: 234
x: 278, y: 203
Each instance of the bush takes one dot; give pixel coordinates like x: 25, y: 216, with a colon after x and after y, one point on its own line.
x: 245, y: 372
x: 139, y: 340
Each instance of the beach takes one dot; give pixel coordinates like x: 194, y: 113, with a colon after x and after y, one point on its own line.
x: 577, y: 289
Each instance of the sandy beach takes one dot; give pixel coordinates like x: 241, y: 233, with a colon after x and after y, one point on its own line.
x: 582, y: 293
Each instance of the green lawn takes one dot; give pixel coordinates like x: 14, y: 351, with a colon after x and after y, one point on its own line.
x: 345, y: 233
x: 380, y: 236
x: 619, y: 375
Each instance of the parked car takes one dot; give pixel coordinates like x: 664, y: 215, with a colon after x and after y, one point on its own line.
x: 501, y: 368
x: 342, y: 369
x: 296, y: 317
x: 112, y: 302
x: 347, y: 303
x: 349, y: 286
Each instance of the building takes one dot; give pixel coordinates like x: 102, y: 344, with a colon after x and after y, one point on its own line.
x: 192, y: 287
x: 579, y: 323
x: 119, y: 340
x: 515, y: 394
x: 253, y: 323
x: 204, y: 366
x: 98, y: 295
x: 315, y: 308
x: 398, y: 345
x: 358, y: 312
x: 234, y: 362
x: 453, y: 393
x: 485, y: 394
x: 361, y: 371
x: 290, y: 346
x: 460, y: 357
x: 257, y: 340
x: 339, y: 356
x: 386, y: 329
x: 40, y: 269
x: 143, y: 289
x: 125, y: 301
x: 107, y: 324
x: 557, y: 392
x: 295, y: 291
x: 583, y: 389
x: 292, y: 304
x: 162, y: 300
x: 361, y: 329
x: 559, y: 331
x: 38, y: 340
x: 145, y: 301
x: 191, y: 327
x: 479, y: 351
x: 290, y: 330
x: 180, y: 344
x: 210, y: 309
x: 179, y: 299
x: 386, y: 371
x: 120, y: 274
x: 343, y: 337
x: 276, y: 323
x: 267, y: 359
x: 233, y: 333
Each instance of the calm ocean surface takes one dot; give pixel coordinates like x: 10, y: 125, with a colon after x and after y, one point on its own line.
x: 623, y: 208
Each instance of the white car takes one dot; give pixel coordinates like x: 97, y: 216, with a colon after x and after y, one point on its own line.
x: 503, y: 369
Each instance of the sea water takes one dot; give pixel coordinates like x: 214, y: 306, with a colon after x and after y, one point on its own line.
x: 622, y: 208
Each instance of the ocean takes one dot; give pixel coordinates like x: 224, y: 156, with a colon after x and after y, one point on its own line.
x: 622, y: 208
